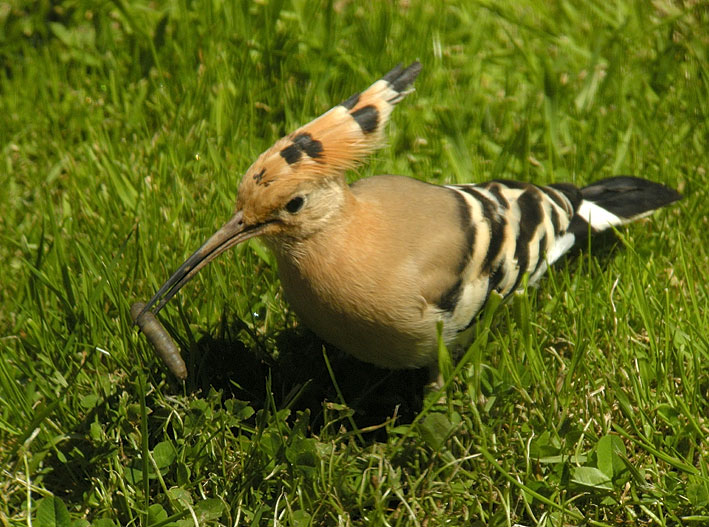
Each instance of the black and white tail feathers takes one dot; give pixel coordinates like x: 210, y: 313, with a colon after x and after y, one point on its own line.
x: 617, y: 201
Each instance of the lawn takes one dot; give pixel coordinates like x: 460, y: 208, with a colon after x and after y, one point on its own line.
x: 124, y: 129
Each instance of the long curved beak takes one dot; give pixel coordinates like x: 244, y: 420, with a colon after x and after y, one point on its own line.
x: 230, y: 234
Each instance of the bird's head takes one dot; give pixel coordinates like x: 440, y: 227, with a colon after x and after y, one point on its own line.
x: 297, y: 184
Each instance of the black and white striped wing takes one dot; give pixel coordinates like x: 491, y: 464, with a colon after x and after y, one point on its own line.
x: 523, y: 228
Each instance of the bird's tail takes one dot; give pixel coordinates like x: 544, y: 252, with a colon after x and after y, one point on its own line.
x: 618, y: 200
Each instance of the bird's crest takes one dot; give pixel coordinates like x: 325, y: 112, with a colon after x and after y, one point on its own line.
x: 336, y: 141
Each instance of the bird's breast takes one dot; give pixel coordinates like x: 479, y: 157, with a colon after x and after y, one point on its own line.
x: 343, y: 288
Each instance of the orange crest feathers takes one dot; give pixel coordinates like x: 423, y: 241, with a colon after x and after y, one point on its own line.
x: 334, y: 142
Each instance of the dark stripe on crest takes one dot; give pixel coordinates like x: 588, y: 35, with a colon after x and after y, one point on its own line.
x: 307, y: 144
x: 391, y: 76
x: 351, y: 102
x: 291, y: 154
x: 302, y: 143
x: 407, y: 77
x: 401, y: 79
x: 367, y: 118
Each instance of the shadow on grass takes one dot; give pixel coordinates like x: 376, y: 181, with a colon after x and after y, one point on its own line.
x: 300, y: 380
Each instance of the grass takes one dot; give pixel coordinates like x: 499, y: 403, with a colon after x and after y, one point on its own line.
x: 124, y: 129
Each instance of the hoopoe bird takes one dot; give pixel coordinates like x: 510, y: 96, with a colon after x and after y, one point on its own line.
x: 373, y: 266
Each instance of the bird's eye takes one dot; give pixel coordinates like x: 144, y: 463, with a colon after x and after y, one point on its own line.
x: 295, y: 204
